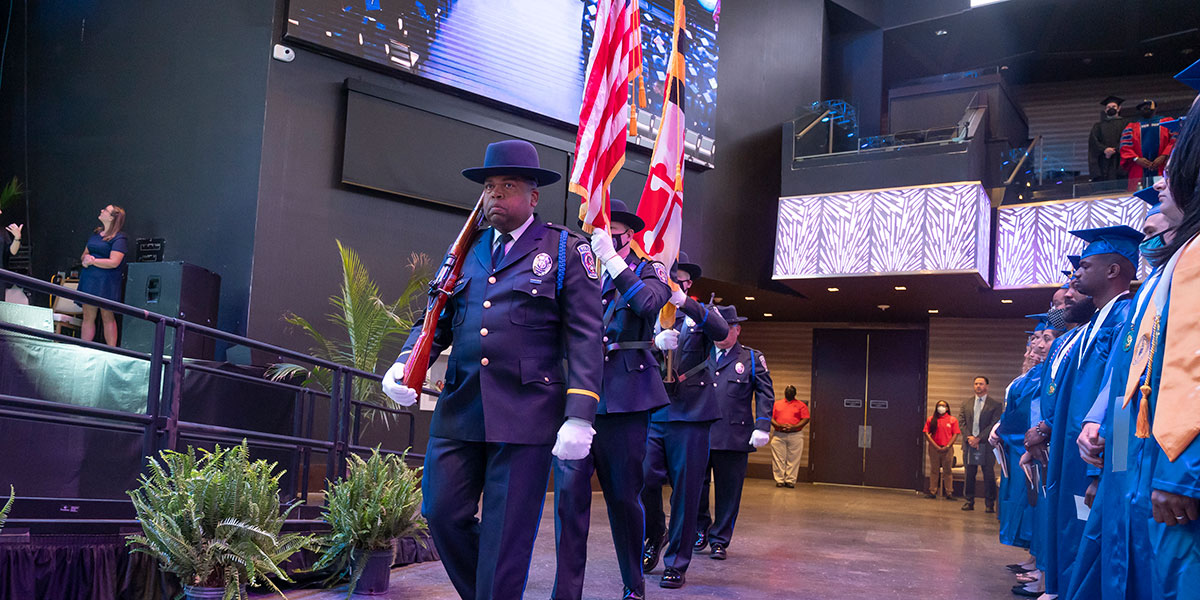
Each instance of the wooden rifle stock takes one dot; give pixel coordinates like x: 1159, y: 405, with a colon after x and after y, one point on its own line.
x: 439, y: 292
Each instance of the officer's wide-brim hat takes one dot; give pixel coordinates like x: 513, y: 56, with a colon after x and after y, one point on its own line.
x: 691, y: 268
x: 729, y: 313
x: 619, y: 213
x: 512, y: 157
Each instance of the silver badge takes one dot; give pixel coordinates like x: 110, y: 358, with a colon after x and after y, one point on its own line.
x: 542, y: 264
x: 740, y: 368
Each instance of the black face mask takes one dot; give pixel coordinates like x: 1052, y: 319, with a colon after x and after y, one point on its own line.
x: 622, y: 240
x: 1147, y: 113
x: 1112, y: 112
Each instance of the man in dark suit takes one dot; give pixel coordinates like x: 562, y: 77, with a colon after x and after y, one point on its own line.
x: 979, y: 414
x: 632, y: 293
x: 744, y: 392
x: 677, y: 445
x: 528, y: 298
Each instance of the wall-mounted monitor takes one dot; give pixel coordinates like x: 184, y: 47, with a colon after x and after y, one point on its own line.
x: 529, y: 55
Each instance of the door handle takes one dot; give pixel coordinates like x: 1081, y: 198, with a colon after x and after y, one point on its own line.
x: 864, y: 436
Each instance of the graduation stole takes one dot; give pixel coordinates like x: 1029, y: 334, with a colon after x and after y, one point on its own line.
x: 1177, y: 412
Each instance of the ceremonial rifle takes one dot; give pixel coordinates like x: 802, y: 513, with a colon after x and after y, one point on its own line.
x: 439, y: 292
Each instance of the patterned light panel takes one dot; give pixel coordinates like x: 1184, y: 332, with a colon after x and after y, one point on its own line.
x: 928, y: 229
x: 1033, y: 240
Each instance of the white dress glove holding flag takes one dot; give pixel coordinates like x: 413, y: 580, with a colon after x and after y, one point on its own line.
x: 667, y: 339
x: 393, y: 386
x: 758, y: 439
x: 678, y: 297
x: 602, y: 245
x: 574, y: 439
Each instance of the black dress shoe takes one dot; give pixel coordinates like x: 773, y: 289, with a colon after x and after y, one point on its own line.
x: 651, y: 554
x: 701, y: 541
x: 672, y: 578
x: 632, y: 595
x: 718, y: 552
x: 778, y: 485
x: 991, y: 508
x: 969, y: 506
x: 1021, y: 591
x: 931, y: 496
x: 789, y: 485
x: 950, y: 498
x: 1018, y: 569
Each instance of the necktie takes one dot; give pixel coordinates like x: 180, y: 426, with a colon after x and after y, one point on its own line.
x: 498, y: 253
x: 1177, y: 412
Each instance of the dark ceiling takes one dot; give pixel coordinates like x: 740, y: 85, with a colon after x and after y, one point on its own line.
x: 858, y: 299
x: 1046, y: 40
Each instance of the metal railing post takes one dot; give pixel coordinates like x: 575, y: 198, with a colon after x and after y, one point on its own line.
x: 154, y: 389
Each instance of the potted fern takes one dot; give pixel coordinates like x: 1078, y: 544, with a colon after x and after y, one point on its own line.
x: 376, y: 503
x: 370, y: 324
x: 213, y: 519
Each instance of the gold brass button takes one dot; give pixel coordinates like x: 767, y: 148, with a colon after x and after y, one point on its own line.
x: 492, y: 279
x: 547, y: 379
x: 487, y: 303
x: 604, y: 302
x: 483, y: 332
x: 534, y: 291
x: 484, y: 361
x: 606, y: 338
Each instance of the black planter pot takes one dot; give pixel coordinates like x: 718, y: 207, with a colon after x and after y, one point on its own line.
x: 376, y: 573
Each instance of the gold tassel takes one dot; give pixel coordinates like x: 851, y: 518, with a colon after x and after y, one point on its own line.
x: 1143, y: 421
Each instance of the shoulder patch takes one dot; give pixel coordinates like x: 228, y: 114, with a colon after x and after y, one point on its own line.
x: 660, y: 272
x: 588, y: 259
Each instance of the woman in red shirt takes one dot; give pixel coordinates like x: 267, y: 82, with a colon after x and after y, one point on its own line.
x: 942, y: 432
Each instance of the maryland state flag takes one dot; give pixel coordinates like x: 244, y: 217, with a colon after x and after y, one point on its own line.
x: 661, y: 205
x: 615, y: 61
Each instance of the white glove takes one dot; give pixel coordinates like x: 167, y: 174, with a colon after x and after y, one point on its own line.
x: 574, y: 439
x: 678, y: 297
x: 758, y: 439
x: 667, y: 339
x: 602, y: 245
x: 393, y: 386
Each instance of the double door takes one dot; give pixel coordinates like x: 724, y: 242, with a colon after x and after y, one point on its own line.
x: 868, y: 403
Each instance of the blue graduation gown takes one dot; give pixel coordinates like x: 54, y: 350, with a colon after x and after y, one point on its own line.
x: 1016, y: 515
x: 1067, y: 475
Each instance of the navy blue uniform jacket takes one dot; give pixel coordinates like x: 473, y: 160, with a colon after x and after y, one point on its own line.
x: 525, y: 355
x: 746, y: 396
x: 632, y: 381
x: 691, y: 400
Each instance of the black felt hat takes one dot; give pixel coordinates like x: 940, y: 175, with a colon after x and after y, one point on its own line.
x: 512, y: 157
x: 692, y: 268
x: 729, y: 313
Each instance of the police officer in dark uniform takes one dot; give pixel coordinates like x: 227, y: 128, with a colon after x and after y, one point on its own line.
x: 528, y: 298
x: 744, y: 392
x: 677, y: 446
x: 633, y: 291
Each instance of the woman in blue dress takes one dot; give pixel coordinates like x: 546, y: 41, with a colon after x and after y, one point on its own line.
x: 104, y: 272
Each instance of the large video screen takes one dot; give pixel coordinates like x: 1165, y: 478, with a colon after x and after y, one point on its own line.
x: 531, y: 54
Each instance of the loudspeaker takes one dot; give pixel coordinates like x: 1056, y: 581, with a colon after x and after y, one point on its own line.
x: 174, y: 289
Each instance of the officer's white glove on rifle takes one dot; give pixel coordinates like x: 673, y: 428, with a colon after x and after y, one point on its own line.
x: 574, y: 439
x: 393, y: 386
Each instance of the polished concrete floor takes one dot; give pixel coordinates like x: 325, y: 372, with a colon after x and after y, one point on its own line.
x: 814, y: 541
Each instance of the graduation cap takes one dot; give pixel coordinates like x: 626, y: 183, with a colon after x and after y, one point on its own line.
x: 1074, y: 258
x: 1190, y: 76
x: 1121, y: 240
x: 1042, y: 324
x: 1146, y: 102
x: 1109, y: 99
x: 1148, y: 195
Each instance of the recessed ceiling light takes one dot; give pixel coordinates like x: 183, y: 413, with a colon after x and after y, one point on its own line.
x: 933, y: 311
x: 768, y: 315
x: 833, y: 289
x: 1148, y: 55
x: 901, y: 288
x: 750, y: 297
x: 1006, y: 301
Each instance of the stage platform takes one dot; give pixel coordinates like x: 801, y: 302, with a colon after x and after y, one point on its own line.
x: 814, y: 541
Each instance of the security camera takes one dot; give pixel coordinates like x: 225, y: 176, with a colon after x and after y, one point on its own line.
x: 283, y: 53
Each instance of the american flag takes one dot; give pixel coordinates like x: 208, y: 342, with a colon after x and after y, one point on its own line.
x: 661, y: 206
x: 604, y: 118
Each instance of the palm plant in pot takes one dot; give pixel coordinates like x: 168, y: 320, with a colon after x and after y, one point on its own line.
x: 214, y: 519
x: 376, y: 503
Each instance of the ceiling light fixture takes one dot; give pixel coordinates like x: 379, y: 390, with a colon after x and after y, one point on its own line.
x: 901, y: 288
x: 768, y: 315
x: 833, y: 289
x: 750, y: 297
x: 1006, y: 301
x: 933, y: 311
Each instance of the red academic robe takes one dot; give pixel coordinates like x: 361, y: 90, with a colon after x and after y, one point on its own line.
x: 1131, y: 148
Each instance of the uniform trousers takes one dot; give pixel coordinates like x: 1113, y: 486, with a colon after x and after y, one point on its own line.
x: 786, y: 450
x: 676, y: 452
x: 728, y: 469
x: 486, y: 557
x: 617, y: 457
x: 941, y: 463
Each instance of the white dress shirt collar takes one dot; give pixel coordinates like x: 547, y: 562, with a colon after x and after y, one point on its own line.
x: 516, y: 234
